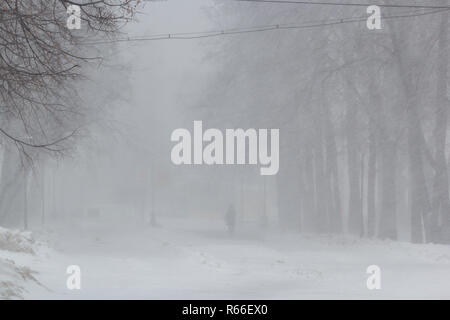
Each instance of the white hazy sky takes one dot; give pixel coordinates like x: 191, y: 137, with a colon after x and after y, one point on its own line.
x: 167, y: 76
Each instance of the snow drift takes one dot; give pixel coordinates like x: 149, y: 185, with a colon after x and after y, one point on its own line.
x: 14, y: 277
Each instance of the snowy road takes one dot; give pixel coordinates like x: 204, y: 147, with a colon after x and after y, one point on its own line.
x: 203, y: 263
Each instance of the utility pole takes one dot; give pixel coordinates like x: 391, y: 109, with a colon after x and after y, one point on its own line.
x: 152, y: 177
x: 25, y: 193
x: 25, y: 203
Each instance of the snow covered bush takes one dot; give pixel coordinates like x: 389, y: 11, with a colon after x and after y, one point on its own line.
x: 16, y: 241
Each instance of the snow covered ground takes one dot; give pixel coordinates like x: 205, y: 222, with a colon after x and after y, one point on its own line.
x: 197, y: 260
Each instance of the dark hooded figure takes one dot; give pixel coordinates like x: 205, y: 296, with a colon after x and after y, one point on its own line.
x: 230, y: 219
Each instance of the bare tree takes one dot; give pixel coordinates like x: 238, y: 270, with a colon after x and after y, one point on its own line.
x: 42, y: 62
x: 40, y: 59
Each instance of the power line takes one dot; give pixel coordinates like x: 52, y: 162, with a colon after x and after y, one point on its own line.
x: 236, y: 31
x: 349, y: 4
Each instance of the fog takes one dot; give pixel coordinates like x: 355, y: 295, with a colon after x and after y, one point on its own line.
x: 341, y: 163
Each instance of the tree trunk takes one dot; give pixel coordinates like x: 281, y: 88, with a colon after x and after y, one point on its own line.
x: 418, y: 195
x: 334, y: 195
x: 419, y: 199
x: 309, y: 196
x: 440, y: 197
x: 321, y: 215
x: 353, y: 170
x: 371, y: 180
x: 388, y: 215
x: 11, y: 186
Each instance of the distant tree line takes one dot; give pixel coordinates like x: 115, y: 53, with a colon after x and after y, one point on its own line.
x: 363, y: 115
